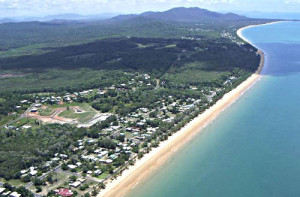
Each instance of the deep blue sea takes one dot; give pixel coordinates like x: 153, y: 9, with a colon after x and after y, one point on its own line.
x: 253, y: 148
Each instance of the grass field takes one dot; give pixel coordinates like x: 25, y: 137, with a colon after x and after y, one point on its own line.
x: 87, y: 113
x: 103, y: 175
x: 25, y: 121
x: 82, y: 112
x: 6, y: 119
x: 47, y: 112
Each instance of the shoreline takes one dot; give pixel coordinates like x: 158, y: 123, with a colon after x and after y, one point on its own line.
x: 145, y: 166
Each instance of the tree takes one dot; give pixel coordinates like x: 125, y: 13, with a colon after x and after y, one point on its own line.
x: 94, y: 192
x: 38, y: 182
x: 26, y: 179
x: 102, y: 185
x: 38, y: 189
x: 107, y: 143
x: 118, y: 162
x: 50, y: 178
x: 73, y: 178
x: 64, y: 166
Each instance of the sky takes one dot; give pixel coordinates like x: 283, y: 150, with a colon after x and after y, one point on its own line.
x: 10, y: 8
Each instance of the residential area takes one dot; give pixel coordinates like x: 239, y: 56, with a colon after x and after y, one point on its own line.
x: 117, y: 138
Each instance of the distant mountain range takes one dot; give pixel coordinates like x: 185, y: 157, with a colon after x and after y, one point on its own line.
x: 180, y: 14
x: 60, y: 17
x: 183, y: 15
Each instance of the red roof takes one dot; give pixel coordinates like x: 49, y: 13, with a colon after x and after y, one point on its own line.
x: 65, y: 192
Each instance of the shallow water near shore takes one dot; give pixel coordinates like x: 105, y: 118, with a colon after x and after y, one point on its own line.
x: 252, y: 148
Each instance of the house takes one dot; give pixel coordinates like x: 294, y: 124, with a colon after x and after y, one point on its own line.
x: 23, y: 171
x: 26, y: 127
x: 33, y: 172
x: 15, y: 194
x: 24, y: 101
x: 91, y: 141
x: 108, y: 161
x: 63, y: 156
x: 55, y: 159
x: 78, y: 164
x: 64, y: 192
x: 75, y: 184
x: 98, y: 172
x: 113, y: 156
x: 33, y: 110
x: 37, y: 105
x: 2, y: 189
x: 72, y: 166
x: 89, y: 172
x: 6, y: 193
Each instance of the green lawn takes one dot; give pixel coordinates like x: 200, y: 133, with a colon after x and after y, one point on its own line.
x: 103, y: 175
x: 47, y: 112
x: 87, y: 114
x: 16, y: 182
x: 25, y: 121
x: 6, y: 119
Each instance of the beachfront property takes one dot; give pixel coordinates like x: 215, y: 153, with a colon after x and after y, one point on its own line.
x: 121, y: 142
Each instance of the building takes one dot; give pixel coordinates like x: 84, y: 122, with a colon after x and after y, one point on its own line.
x: 33, y: 110
x: 33, y: 172
x: 2, y: 189
x: 98, y: 172
x: 24, y: 101
x: 75, y: 184
x: 72, y: 166
x: 26, y: 127
x: 15, y: 194
x: 64, y: 192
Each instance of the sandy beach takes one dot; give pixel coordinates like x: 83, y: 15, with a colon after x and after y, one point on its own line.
x: 158, y: 156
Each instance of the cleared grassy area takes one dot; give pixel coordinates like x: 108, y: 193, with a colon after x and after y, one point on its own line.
x: 25, y: 121
x: 46, y: 112
x: 16, y: 182
x: 81, y: 117
x: 103, y: 175
x: 82, y: 112
x: 6, y: 119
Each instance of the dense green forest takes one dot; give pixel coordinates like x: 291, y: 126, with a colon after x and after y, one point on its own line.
x: 99, y: 63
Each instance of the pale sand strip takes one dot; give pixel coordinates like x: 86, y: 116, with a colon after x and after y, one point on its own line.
x: 157, y: 157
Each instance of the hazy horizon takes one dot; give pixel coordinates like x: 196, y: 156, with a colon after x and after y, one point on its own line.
x: 41, y: 8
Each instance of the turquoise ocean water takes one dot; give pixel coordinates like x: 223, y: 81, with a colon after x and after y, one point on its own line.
x: 253, y: 148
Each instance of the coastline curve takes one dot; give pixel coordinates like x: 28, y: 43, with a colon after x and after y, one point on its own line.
x: 144, y: 167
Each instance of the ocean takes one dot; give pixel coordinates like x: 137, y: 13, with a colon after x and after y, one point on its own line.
x: 253, y: 148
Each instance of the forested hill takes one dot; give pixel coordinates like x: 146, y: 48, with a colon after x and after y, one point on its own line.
x: 186, y: 15
x: 32, y: 37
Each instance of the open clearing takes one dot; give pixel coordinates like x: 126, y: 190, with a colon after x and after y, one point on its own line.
x: 80, y: 114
